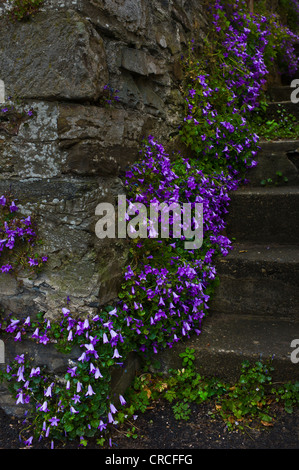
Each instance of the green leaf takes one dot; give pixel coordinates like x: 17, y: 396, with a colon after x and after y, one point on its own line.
x: 69, y: 427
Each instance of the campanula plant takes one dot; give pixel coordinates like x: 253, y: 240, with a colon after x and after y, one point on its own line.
x: 18, y: 239
x: 167, y: 288
x: 79, y: 404
x: 225, y: 84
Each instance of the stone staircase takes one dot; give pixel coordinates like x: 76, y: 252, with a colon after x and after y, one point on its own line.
x: 255, y: 311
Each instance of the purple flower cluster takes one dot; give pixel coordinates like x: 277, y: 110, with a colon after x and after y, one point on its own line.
x: 249, y: 70
x: 13, y: 232
x: 166, y: 290
x: 100, y: 339
x: 254, y: 40
x: 110, y: 95
x: 165, y: 296
x: 14, y: 113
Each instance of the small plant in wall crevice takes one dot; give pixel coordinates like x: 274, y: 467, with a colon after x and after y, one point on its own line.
x: 20, y: 10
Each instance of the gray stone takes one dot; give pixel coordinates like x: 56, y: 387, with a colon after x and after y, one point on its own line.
x: 57, y: 55
x: 264, y: 215
x: 140, y: 62
x: 258, y: 280
x: 99, y: 141
x: 227, y: 340
x: 80, y: 265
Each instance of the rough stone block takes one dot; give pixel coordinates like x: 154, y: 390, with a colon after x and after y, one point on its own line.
x: 99, y: 141
x: 140, y: 62
x: 57, y: 55
x: 81, y: 266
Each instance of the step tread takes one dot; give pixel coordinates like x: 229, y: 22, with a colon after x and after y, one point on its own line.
x: 259, y: 280
x: 227, y: 340
x: 251, y: 334
x: 266, y: 191
x: 288, y: 102
x: 288, y: 106
x: 278, y: 87
x: 263, y: 215
x: 279, y: 142
x: 265, y: 252
x: 278, y: 147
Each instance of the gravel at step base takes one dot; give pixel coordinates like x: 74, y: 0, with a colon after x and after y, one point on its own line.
x: 158, y: 429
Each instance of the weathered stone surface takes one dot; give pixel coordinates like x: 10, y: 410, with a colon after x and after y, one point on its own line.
x: 140, y: 62
x: 80, y: 266
x: 41, y: 355
x: 98, y: 141
x: 57, y: 55
x: 122, y: 19
x: 264, y: 215
x: 259, y: 280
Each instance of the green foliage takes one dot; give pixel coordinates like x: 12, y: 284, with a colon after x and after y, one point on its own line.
x: 238, y: 404
x: 283, y: 125
x: 69, y: 398
x: 278, y: 180
x: 287, y: 394
x: 23, y: 9
x: 188, y: 357
x: 248, y: 397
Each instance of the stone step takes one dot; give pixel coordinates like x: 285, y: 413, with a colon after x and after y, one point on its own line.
x: 227, y: 340
x: 287, y: 107
x: 259, y: 280
x: 264, y: 215
x: 277, y: 160
x: 280, y: 93
x: 279, y: 146
x: 286, y: 78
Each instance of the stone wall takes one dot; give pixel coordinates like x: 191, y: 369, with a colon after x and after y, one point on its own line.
x: 70, y: 157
